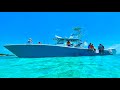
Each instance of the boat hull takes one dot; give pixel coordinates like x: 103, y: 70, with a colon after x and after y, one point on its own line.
x: 37, y: 51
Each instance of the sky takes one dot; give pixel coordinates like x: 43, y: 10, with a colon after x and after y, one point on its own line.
x: 97, y: 27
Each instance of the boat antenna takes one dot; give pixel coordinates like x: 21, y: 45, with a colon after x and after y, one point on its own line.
x: 78, y: 31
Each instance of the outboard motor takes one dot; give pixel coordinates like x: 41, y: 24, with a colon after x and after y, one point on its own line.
x: 112, y: 51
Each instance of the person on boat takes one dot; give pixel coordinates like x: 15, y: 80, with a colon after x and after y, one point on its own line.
x: 100, y: 48
x: 29, y: 40
x: 68, y: 43
x: 89, y: 46
x: 93, y: 48
x: 39, y: 42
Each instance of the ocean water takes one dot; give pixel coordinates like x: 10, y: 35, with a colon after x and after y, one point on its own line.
x: 60, y: 67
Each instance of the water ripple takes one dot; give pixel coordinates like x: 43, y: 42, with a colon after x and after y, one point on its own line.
x: 60, y: 67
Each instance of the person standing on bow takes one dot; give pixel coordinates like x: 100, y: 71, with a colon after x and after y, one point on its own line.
x: 30, y: 41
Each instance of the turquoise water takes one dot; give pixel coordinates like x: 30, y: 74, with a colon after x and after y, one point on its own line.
x: 61, y: 67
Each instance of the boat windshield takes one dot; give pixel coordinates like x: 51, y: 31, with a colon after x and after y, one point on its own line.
x: 63, y: 41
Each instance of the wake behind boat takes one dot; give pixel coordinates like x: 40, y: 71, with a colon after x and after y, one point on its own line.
x: 64, y: 47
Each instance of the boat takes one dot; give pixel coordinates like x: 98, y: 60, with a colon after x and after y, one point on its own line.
x: 59, y: 49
